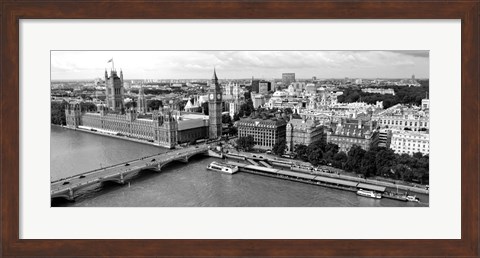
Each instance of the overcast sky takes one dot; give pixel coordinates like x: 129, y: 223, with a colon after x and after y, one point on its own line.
x: 240, y: 64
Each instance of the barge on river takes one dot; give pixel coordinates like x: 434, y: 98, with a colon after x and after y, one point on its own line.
x: 223, y: 167
x: 370, y: 194
x: 308, y: 178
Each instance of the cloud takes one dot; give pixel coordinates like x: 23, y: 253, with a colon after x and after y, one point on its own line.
x: 414, y: 53
x: 241, y: 64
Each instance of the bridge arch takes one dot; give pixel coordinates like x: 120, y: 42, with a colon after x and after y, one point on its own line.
x: 194, y: 154
x: 62, y: 196
x: 117, y: 180
x: 164, y: 164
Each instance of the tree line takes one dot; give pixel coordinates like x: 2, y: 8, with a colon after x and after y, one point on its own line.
x: 403, y: 95
x: 377, y: 161
x: 57, y: 111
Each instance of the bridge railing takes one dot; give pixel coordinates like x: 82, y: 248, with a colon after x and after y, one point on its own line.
x: 195, y: 150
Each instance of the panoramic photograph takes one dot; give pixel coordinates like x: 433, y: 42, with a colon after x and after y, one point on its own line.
x: 239, y: 128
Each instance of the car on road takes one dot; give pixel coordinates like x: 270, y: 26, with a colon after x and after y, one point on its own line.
x: 66, y: 183
x: 82, y: 176
x: 127, y: 164
x: 153, y: 160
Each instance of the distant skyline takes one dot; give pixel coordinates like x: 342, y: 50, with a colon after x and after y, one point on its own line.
x: 82, y: 65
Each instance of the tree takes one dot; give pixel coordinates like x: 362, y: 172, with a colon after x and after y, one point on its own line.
x: 385, y: 160
x: 181, y: 104
x: 57, y: 113
x: 330, y: 150
x: 226, y: 119
x: 88, y: 106
x: 288, y: 111
x: 302, y: 152
x: 279, y: 147
x: 316, y: 145
x: 316, y: 152
x: 247, y: 108
x: 315, y: 157
x: 246, y: 142
x: 296, y: 116
x: 402, y: 172
x: 340, y: 159
x: 417, y: 155
x: 131, y: 104
x: 205, y: 108
x: 367, y: 165
x: 355, y: 156
x: 236, y: 117
x: 233, y: 130
x: 154, y: 104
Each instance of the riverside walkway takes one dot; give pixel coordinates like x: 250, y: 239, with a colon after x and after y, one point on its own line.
x: 304, y: 167
x: 68, y: 187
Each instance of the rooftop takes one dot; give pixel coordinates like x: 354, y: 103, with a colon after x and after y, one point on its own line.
x: 262, y: 123
x: 351, y: 129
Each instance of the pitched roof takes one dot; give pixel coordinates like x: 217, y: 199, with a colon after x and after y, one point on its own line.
x: 351, y: 130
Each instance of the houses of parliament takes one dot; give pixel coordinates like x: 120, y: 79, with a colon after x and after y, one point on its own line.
x: 164, y: 127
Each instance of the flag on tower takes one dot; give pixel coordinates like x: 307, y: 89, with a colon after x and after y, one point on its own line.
x: 111, y: 60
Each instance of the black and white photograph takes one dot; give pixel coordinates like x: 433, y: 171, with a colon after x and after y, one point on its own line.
x: 240, y: 128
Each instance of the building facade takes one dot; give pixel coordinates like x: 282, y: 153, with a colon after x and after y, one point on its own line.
x: 161, y: 128
x: 288, y: 78
x: 346, y: 134
x: 379, y: 91
x: 233, y: 109
x: 401, y: 117
x: 164, y: 127
x: 266, y: 133
x: 142, y: 102
x: 258, y: 100
x: 302, y: 131
x: 114, y: 91
x: 215, y: 108
x: 384, y: 138
x: 264, y: 87
x: 410, y: 142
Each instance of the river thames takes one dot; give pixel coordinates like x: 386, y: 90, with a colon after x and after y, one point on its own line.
x: 184, y: 185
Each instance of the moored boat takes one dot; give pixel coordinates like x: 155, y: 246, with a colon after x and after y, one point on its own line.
x: 395, y: 196
x: 413, y: 198
x: 223, y: 167
x: 370, y: 194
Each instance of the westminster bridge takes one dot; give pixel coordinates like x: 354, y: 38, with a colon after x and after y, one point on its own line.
x: 69, y: 187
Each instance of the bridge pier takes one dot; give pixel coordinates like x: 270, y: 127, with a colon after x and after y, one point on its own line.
x: 122, y: 181
x: 70, y: 194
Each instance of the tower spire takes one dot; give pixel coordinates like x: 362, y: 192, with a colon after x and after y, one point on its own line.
x: 214, y: 74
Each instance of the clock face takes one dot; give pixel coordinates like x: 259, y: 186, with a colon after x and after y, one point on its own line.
x: 219, y: 96
x: 211, y: 96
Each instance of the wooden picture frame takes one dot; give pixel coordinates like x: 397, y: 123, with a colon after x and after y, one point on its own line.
x: 13, y: 11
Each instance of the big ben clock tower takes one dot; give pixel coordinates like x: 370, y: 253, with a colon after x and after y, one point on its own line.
x: 215, y: 108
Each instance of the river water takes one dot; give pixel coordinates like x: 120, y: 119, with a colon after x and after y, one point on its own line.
x: 184, y: 185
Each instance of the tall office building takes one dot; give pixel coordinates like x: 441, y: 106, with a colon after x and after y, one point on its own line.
x: 288, y: 78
